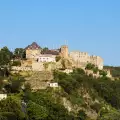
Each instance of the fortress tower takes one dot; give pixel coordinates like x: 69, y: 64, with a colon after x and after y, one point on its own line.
x: 64, y: 51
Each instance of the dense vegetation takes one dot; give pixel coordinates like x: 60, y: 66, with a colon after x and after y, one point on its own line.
x: 115, y: 71
x: 84, y: 93
x: 103, y: 89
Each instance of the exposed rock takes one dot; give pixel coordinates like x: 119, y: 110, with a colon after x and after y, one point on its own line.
x: 38, y: 80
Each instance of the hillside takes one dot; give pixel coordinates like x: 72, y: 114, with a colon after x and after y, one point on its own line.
x: 78, y: 97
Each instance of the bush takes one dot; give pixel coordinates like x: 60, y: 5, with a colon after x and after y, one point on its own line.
x: 95, y: 70
x: 16, y: 63
x: 58, y: 58
x: 82, y: 115
x: 90, y: 66
x: 96, y: 107
x: 103, y: 73
x: 13, y: 105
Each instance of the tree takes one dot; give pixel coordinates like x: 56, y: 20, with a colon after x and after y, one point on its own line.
x: 14, y: 85
x: 90, y: 66
x: 16, y: 63
x: 36, y: 112
x: 103, y: 73
x: 19, y: 53
x: 58, y: 58
x: 12, y: 105
x: 5, y: 56
x: 45, y: 49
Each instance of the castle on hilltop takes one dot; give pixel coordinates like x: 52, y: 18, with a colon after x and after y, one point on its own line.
x: 80, y: 59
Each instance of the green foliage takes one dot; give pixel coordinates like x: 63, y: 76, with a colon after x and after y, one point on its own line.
x: 5, y: 56
x: 75, y: 98
x: 16, y: 63
x: 36, y: 112
x: 109, y: 90
x: 90, y: 66
x: 103, y: 73
x: 46, y: 65
x: 4, y: 72
x: 7, y: 116
x: 96, y: 107
x: 115, y: 71
x: 20, y: 53
x: 63, y: 64
x: 79, y: 71
x: 12, y: 105
x: 103, y: 87
x: 111, y: 114
x: 45, y: 49
x: 81, y: 115
x: 95, y: 70
x: 43, y: 106
x: 14, y: 86
x: 58, y: 58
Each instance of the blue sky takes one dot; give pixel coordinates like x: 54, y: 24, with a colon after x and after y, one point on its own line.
x: 87, y: 25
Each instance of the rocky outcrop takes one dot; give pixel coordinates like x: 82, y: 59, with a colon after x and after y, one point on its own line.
x: 38, y: 80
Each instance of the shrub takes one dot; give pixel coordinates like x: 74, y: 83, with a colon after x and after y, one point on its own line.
x: 58, y: 58
x: 95, y: 70
x: 103, y: 73
x: 16, y: 63
x: 96, y: 107
x: 90, y: 66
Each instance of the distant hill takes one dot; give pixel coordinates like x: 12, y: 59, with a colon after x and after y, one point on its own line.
x: 115, y: 71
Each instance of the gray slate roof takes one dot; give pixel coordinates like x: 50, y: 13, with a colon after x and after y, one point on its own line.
x: 33, y: 46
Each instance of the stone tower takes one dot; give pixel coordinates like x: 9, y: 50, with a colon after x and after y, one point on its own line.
x: 64, y: 51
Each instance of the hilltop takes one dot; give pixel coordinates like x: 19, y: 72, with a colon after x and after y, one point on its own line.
x: 52, y: 86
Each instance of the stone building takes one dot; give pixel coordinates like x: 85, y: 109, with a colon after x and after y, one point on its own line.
x: 96, y: 60
x: 33, y: 50
x: 64, y: 51
x: 82, y: 58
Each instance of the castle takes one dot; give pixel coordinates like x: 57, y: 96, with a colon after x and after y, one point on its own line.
x: 80, y: 59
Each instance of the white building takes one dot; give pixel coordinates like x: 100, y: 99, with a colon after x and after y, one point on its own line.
x: 46, y: 58
x: 68, y: 71
x: 3, y: 96
x: 53, y: 85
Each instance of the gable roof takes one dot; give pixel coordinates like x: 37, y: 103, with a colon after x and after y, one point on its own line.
x: 33, y: 46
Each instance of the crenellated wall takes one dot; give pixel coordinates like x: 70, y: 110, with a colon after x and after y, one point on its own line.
x: 82, y: 58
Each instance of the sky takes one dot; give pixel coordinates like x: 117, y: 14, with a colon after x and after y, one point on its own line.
x: 91, y: 26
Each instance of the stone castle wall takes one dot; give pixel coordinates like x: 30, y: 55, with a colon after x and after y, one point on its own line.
x: 82, y: 58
